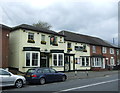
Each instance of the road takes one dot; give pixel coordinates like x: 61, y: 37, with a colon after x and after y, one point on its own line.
x: 106, y: 83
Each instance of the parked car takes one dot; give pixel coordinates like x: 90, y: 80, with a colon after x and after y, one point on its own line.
x: 43, y: 75
x: 9, y: 79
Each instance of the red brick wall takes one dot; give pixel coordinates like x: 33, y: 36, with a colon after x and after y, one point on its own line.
x: 98, y: 50
x: 108, y: 55
x: 5, y: 48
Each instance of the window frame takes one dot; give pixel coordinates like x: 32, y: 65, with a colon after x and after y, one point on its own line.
x: 85, y: 61
x: 96, y: 62
x: 112, y: 51
x: 93, y: 49
x: 69, y: 44
x: 31, y: 52
x: 42, y: 37
x: 104, y: 50
x: 112, y: 61
x: 57, y: 54
x: 29, y: 34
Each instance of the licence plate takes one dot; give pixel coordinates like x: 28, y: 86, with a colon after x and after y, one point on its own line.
x: 27, y: 75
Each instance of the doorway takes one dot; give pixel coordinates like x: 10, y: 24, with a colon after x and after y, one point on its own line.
x: 44, y: 60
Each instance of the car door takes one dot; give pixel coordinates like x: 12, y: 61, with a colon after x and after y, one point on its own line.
x: 48, y: 75
x: 7, y: 78
x: 56, y: 75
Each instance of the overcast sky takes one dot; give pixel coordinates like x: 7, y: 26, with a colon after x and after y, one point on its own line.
x: 90, y: 17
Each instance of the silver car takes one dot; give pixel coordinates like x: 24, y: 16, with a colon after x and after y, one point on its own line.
x: 9, y: 79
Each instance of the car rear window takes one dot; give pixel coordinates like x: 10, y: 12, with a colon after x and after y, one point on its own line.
x: 31, y: 71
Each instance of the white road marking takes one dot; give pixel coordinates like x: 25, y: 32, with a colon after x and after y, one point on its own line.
x: 86, y: 86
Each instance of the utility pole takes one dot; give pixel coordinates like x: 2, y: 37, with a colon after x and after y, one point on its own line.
x: 113, y: 41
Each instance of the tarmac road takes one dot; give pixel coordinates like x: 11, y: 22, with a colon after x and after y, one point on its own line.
x: 104, y: 83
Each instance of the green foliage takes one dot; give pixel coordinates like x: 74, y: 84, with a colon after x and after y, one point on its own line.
x: 41, y: 24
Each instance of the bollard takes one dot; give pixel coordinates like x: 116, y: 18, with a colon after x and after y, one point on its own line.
x: 75, y: 72
x: 86, y: 72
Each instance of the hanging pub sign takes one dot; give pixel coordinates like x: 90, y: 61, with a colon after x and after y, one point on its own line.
x: 79, y: 48
x: 52, y: 40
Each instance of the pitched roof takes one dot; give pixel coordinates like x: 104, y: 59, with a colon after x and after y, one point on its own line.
x: 4, y: 27
x: 70, y: 36
x: 37, y: 29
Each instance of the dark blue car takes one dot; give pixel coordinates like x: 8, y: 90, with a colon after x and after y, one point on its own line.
x: 43, y: 75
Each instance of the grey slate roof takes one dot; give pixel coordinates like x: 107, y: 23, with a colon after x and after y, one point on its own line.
x: 4, y: 27
x: 30, y: 27
x: 70, y: 36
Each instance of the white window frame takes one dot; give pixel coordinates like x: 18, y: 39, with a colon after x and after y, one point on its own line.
x: 94, y: 49
x: 30, y: 33
x: 42, y: 37
x: 57, y: 59
x: 118, y: 51
x: 31, y: 58
x: 111, y: 51
x: 85, y: 61
x: 96, y: 63
x: 104, y: 50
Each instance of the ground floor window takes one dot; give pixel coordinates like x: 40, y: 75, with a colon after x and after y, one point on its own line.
x: 112, y: 61
x: 96, y: 62
x: 85, y: 61
x: 58, y: 59
x: 32, y: 58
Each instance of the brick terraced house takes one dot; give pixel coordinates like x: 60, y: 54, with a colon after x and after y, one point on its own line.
x: 99, y: 54
x: 4, y: 45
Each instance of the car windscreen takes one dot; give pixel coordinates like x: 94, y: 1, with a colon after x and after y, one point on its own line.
x: 31, y: 71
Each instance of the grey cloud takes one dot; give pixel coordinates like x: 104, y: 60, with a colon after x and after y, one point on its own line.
x: 82, y: 17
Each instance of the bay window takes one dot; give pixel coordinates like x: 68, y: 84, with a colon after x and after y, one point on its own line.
x: 32, y: 58
x: 96, y: 62
x: 85, y: 61
x: 58, y: 59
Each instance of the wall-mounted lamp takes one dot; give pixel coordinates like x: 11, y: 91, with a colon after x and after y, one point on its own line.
x: 7, y: 35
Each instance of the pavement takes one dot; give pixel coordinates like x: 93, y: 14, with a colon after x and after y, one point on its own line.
x: 89, y: 74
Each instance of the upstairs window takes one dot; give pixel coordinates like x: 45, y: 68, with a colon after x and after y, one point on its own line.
x: 94, y: 49
x: 43, y: 39
x: 111, y: 51
x: 31, y: 37
x: 104, y: 50
x: 69, y: 45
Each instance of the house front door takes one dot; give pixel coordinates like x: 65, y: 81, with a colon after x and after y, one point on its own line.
x: 44, y: 61
x: 67, y: 63
x: 103, y: 63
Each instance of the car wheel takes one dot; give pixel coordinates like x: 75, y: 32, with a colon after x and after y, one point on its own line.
x: 42, y: 81
x: 63, y: 78
x: 19, y: 83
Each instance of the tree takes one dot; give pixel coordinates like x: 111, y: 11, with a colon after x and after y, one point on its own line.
x: 41, y: 24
